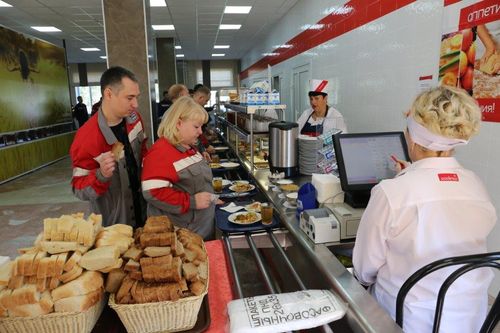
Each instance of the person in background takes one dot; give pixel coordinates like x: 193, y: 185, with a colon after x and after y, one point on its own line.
x: 96, y: 107
x: 176, y: 181
x: 111, y: 181
x: 164, y: 104
x: 201, y: 96
x: 433, y: 209
x: 80, y: 112
x: 320, y: 118
x: 176, y: 91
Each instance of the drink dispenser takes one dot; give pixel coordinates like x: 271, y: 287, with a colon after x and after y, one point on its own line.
x: 283, y: 156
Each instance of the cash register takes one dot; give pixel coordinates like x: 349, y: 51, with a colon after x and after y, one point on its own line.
x: 363, y: 159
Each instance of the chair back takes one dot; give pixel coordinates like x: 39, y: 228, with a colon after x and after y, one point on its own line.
x: 469, y: 263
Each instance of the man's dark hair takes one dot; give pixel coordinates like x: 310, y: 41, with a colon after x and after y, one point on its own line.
x: 113, y: 76
x: 197, y: 86
x: 202, y: 89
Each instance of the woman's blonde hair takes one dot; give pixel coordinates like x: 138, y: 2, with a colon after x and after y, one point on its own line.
x: 175, y: 90
x: 447, y: 111
x: 185, y: 108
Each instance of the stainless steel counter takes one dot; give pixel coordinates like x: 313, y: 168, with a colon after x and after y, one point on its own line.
x: 318, y: 267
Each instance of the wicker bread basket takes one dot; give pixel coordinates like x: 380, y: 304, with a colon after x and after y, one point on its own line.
x: 168, y: 316
x: 57, y: 322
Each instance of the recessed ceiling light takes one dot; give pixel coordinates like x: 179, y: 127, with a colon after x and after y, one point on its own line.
x: 157, y: 3
x: 163, y: 27
x: 237, y: 9
x: 179, y: 55
x: 178, y: 47
x: 103, y: 57
x: 218, y: 54
x: 46, y: 29
x: 4, y: 4
x: 229, y: 26
x: 271, y: 54
x: 221, y: 46
x: 89, y: 49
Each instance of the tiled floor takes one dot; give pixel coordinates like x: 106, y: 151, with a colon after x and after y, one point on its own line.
x: 26, y: 201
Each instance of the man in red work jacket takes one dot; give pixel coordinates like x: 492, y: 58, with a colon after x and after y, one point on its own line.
x: 112, y: 183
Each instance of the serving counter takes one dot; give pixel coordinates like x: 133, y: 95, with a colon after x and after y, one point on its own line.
x: 287, y: 260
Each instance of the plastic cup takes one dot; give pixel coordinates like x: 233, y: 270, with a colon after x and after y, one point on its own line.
x: 215, y: 158
x: 217, y: 184
x: 266, y: 211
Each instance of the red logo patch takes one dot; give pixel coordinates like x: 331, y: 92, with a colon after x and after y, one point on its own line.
x: 448, y: 177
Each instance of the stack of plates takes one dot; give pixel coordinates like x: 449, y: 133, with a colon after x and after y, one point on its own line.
x: 308, y: 153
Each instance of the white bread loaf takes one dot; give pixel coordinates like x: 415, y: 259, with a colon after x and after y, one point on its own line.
x: 123, y: 229
x: 100, y: 258
x: 72, y: 261
x: 5, y: 272
x: 44, y: 306
x: 84, y: 284
x: 108, y: 269
x: 72, y: 274
x: 78, y: 303
x: 114, y: 280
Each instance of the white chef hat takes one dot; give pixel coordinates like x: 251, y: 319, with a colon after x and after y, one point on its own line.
x: 318, y: 87
x: 422, y: 136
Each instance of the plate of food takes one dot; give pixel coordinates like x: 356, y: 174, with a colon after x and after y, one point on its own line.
x: 237, y: 182
x: 241, y: 188
x: 244, y: 218
x: 289, y: 187
x: 226, y: 182
x: 284, y: 181
x: 230, y: 165
x: 253, y: 207
x: 221, y: 148
x: 215, y: 165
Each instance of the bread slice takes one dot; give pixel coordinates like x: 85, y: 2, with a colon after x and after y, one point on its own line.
x: 16, y: 282
x: 43, y: 267
x: 132, y: 266
x: 5, y: 298
x: 197, y: 287
x: 84, y: 284
x: 108, y: 269
x: 55, y: 247
x: 6, y: 272
x: 27, y: 294
x: 54, y: 283
x: 117, y: 150
x: 78, y: 303
x: 120, y: 241
x: 41, y: 285
x: 190, y: 271
x: 24, y: 250
x: 123, y: 229
x: 61, y: 260
x: 51, y: 267
x: 73, y: 260
x: 29, y: 262
x: 125, y: 287
x: 157, y: 224
x: 100, y: 258
x: 36, y: 263
x: 134, y: 253
x: 137, y: 275
x: 72, y: 274
x: 157, y: 251
x: 114, y: 280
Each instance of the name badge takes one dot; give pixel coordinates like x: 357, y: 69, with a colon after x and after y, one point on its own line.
x: 448, y: 177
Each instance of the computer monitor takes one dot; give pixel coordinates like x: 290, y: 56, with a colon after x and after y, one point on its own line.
x: 364, y: 159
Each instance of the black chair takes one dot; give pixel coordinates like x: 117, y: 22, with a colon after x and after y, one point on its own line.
x: 469, y: 263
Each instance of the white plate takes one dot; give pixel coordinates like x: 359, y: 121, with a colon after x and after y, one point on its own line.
x: 289, y: 206
x: 284, y: 181
x: 230, y: 165
x: 233, y: 188
x: 241, y: 182
x: 232, y: 218
x: 226, y: 182
x: 253, y: 207
x: 221, y: 148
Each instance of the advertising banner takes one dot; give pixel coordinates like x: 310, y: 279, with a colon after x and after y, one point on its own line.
x: 33, y: 82
x: 470, y: 55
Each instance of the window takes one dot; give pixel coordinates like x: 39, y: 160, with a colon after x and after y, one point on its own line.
x: 221, y: 77
x: 90, y: 95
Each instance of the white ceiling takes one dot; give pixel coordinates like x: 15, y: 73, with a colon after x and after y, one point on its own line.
x: 196, y: 24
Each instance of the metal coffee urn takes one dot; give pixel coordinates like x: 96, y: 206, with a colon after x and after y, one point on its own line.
x: 283, y: 148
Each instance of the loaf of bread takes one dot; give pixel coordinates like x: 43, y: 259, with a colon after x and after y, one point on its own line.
x: 158, y: 239
x: 158, y: 224
x: 157, y: 251
x: 117, y: 264
x: 87, y: 282
x: 100, y: 258
x: 44, y: 306
x: 123, y: 229
x: 78, y: 303
x: 114, y: 280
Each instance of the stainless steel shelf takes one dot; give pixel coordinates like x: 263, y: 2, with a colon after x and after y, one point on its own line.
x: 251, y: 109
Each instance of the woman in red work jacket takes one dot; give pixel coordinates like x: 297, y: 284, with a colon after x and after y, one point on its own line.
x: 176, y: 180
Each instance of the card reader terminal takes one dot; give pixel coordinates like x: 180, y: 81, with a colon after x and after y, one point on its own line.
x: 348, y: 218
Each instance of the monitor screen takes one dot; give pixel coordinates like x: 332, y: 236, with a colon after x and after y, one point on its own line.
x: 364, y: 159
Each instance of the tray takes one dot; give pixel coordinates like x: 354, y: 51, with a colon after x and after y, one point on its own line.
x: 109, y: 322
x: 222, y: 222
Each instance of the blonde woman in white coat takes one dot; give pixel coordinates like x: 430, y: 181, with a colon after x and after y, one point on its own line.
x: 433, y: 209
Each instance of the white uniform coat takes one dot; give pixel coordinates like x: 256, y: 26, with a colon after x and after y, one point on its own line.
x: 334, y: 119
x: 432, y: 210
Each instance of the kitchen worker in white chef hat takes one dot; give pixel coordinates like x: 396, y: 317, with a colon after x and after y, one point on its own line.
x: 321, y: 117
x: 433, y: 209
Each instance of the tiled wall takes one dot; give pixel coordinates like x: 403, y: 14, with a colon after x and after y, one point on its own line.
x: 374, y: 70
